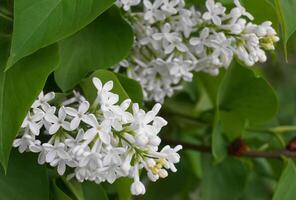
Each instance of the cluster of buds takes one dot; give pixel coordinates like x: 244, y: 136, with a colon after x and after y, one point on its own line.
x: 99, y: 142
x: 173, y: 41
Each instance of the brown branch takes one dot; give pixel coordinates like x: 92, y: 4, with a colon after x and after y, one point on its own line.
x: 248, y: 153
x: 269, y: 154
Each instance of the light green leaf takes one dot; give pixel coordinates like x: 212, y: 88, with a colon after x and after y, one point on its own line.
x: 25, y: 179
x: 219, y: 147
x: 286, y: 187
x: 19, y: 87
x: 100, y: 45
x: 39, y: 23
x: 226, y: 180
x: 245, y: 96
x: 286, y: 13
x: 255, y: 7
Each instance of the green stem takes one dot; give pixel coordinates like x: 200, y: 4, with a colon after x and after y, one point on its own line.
x: 6, y: 17
x: 277, y: 129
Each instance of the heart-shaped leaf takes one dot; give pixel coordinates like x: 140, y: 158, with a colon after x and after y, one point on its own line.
x: 39, y: 23
x: 19, y: 87
x: 101, y: 44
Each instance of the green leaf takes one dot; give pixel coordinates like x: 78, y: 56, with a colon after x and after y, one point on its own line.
x: 132, y: 87
x: 65, y: 189
x: 211, y: 84
x: 90, y: 91
x: 123, y: 188
x: 73, y: 187
x: 255, y: 7
x: 25, y: 179
x: 100, y: 45
x: 219, y: 147
x: 226, y: 180
x: 19, y: 87
x: 93, y: 191
x: 286, y: 12
x: 243, y: 95
x: 286, y: 187
x: 59, y: 194
x: 39, y: 23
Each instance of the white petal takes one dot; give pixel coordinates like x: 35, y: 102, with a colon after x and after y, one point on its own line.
x: 50, y: 156
x: 66, y: 126
x: 90, y: 134
x: 97, y: 83
x: 83, y: 107
x: 62, y: 113
x: 53, y: 129
x: 125, y: 104
x: 51, y: 118
x: 61, y: 168
x: 49, y: 96
x: 105, y: 137
x: 108, y: 86
x: 91, y: 120
x: 75, y: 123
x: 113, y: 99
x: 71, y: 111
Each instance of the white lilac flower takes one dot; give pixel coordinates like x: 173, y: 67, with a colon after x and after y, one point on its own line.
x: 33, y: 121
x: 172, y: 41
x: 102, y: 130
x: 57, y: 122
x: 43, y: 100
x: 214, y: 12
x: 77, y: 115
x: 27, y: 142
x: 126, y: 4
x: 103, y: 144
x: 152, y: 11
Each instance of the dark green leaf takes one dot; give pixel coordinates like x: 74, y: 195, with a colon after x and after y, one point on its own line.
x: 59, y: 194
x: 223, y: 181
x: 93, y: 191
x: 19, y: 87
x: 123, y: 188
x: 132, y: 87
x: 211, y: 84
x: 25, y: 179
x: 39, y: 23
x: 101, y: 44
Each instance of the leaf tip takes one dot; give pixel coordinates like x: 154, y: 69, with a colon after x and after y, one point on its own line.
x: 9, y: 64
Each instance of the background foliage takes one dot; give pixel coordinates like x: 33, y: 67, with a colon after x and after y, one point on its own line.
x: 59, y: 44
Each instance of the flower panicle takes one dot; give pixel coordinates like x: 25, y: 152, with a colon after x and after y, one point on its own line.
x: 173, y: 41
x: 99, y: 142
